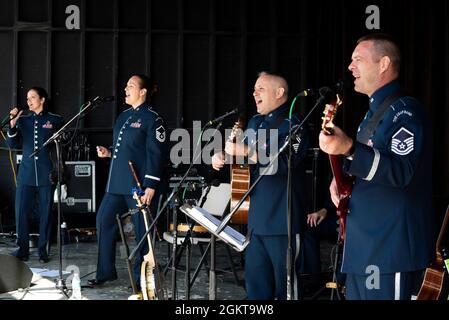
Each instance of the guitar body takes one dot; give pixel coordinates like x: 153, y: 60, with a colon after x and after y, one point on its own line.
x: 151, y: 280
x: 344, y: 186
x: 435, y: 281
x: 240, y: 181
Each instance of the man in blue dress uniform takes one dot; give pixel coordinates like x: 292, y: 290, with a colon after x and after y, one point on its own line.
x: 389, y: 226
x: 29, y: 131
x: 139, y: 136
x: 265, y: 261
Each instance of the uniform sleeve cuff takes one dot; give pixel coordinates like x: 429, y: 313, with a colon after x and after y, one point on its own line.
x: 12, y: 132
x: 151, y: 181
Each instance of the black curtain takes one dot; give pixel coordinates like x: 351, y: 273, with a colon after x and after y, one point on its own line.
x: 422, y: 31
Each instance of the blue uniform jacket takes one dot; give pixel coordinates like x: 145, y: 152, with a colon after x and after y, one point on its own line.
x: 30, y: 133
x: 390, y: 223
x: 139, y: 136
x: 268, y: 201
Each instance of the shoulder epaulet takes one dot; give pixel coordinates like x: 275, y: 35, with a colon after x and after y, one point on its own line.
x: 401, y: 102
x: 54, y: 114
x: 151, y: 109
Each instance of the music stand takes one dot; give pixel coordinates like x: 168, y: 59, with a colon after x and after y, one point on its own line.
x: 215, y: 200
x: 56, y: 138
x: 229, y: 235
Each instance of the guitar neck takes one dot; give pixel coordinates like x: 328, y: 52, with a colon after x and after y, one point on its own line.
x: 145, y: 212
x: 442, y: 233
x: 150, y: 243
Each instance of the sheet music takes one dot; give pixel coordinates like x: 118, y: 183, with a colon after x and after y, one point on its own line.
x: 211, y: 223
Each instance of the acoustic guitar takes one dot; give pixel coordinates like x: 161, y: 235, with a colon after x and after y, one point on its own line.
x: 435, y: 277
x: 240, y: 182
x: 343, y: 180
x: 151, y: 277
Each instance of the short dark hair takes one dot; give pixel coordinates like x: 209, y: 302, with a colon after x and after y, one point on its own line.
x: 42, y: 93
x: 278, y: 77
x: 385, y: 45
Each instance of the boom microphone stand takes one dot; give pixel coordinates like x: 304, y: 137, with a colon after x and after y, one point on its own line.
x: 56, y: 138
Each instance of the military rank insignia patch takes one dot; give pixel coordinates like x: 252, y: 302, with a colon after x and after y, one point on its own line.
x: 160, y: 134
x: 402, y: 142
x: 297, y: 143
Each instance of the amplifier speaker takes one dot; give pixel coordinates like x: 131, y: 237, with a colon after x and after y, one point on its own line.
x: 14, y: 273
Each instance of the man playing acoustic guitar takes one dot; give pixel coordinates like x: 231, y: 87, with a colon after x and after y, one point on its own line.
x: 265, y: 263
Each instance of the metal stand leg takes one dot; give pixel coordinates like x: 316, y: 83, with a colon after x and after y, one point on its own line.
x: 231, y: 264
x: 174, y: 246
x: 128, y: 262
x: 187, y: 275
x: 212, y: 275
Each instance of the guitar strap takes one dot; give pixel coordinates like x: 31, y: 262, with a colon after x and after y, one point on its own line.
x: 367, y: 132
x: 281, y: 117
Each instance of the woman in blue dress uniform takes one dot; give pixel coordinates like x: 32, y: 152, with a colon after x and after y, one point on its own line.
x: 139, y: 136
x: 29, y: 130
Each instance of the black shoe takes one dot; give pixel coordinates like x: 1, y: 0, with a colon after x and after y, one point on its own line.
x: 44, y: 259
x: 95, y: 283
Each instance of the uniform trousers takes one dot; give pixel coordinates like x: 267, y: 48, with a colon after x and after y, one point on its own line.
x: 107, y: 230
x: 266, y: 267
x: 389, y: 286
x: 31, y: 200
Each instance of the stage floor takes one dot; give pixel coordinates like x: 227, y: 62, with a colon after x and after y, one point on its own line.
x: 82, y: 256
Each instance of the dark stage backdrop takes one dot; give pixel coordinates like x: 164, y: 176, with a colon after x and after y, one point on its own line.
x: 205, y: 55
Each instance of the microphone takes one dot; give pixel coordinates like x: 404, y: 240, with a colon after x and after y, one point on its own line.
x: 338, y: 87
x: 9, y: 117
x: 20, y: 108
x: 220, y: 118
x: 99, y: 99
x: 335, y: 88
x: 306, y: 92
